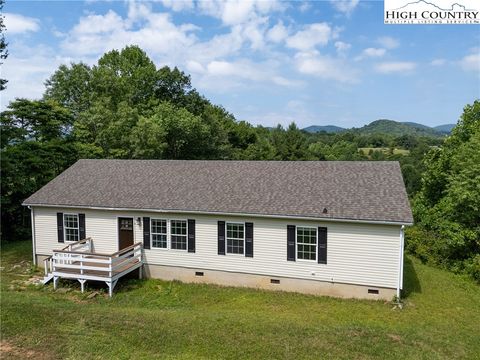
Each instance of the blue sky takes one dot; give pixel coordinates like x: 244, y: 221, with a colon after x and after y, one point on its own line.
x: 267, y: 62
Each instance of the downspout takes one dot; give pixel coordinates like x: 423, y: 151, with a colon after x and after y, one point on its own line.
x: 32, y: 215
x: 400, y: 262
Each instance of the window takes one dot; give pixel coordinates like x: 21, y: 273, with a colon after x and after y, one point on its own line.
x: 178, y: 231
x: 306, y: 243
x: 159, y: 233
x: 235, y: 238
x: 70, y: 224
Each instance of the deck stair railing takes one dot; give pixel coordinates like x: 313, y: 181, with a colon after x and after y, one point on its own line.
x: 78, y: 261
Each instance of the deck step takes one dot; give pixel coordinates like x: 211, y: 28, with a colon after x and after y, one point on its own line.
x: 47, y: 278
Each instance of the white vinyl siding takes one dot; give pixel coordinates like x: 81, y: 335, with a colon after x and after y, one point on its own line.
x: 363, y: 254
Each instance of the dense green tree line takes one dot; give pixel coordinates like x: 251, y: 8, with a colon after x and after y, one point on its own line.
x: 447, y: 207
x: 125, y: 107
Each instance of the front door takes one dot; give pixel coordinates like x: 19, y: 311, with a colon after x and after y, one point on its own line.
x: 125, y: 232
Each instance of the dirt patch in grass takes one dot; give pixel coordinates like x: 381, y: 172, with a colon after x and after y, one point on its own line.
x: 8, y: 350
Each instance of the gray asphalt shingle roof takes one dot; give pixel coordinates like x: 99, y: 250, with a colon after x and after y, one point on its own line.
x: 372, y: 191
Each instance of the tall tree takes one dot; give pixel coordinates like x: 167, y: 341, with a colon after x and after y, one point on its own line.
x: 447, y: 209
x: 36, y: 147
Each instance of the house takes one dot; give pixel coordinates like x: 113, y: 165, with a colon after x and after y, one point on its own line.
x: 331, y: 228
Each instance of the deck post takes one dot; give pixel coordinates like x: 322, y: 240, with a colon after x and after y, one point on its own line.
x: 82, y: 284
x: 111, y: 285
x: 55, y: 280
x: 140, y: 272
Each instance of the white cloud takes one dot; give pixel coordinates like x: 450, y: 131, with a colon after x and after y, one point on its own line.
x: 323, y: 66
x: 371, y: 53
x: 224, y: 68
x: 234, y: 12
x: 156, y: 33
x: 195, y: 67
x: 18, y: 24
x: 277, y: 33
x: 244, y: 72
x: 219, y: 75
x: 220, y: 46
x: 254, y: 32
x: 97, y: 24
x: 305, y: 6
x: 311, y: 36
x: 342, y: 47
x: 388, y: 42
x: 438, y: 62
x: 471, y: 62
x: 179, y: 5
x: 345, y: 6
x: 26, y: 69
x: 395, y: 67
x: 282, y: 81
x: 374, y: 52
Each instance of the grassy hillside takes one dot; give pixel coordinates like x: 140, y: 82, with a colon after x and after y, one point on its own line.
x: 151, y: 318
x: 397, y: 128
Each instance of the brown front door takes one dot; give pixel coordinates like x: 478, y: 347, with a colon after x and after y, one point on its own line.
x: 125, y: 232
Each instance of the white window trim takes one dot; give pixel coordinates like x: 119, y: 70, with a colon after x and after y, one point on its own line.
x: 169, y: 235
x: 226, y: 238
x: 65, y: 227
x: 151, y: 234
x: 316, y: 243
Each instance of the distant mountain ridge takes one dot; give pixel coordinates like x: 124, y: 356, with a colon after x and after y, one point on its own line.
x: 446, y: 129
x: 386, y: 126
x: 326, y: 128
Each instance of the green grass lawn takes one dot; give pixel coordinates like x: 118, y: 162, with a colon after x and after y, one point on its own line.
x: 152, y: 318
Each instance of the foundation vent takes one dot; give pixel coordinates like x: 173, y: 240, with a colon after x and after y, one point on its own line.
x: 198, y: 273
x: 373, y: 291
x: 274, y: 281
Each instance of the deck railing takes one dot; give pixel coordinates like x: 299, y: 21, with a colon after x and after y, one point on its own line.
x: 96, y: 265
x: 78, y: 261
x: 84, y: 245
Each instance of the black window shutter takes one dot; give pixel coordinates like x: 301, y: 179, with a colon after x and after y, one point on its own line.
x: 322, y: 245
x: 81, y: 226
x: 291, y: 242
x: 249, y: 239
x: 221, y: 238
x: 191, y: 235
x: 60, y: 227
x: 146, y: 233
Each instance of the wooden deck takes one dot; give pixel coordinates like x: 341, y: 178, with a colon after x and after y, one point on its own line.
x: 78, y: 261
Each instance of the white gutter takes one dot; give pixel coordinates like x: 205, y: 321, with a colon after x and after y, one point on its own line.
x: 225, y: 214
x: 400, y: 262
x: 32, y: 216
